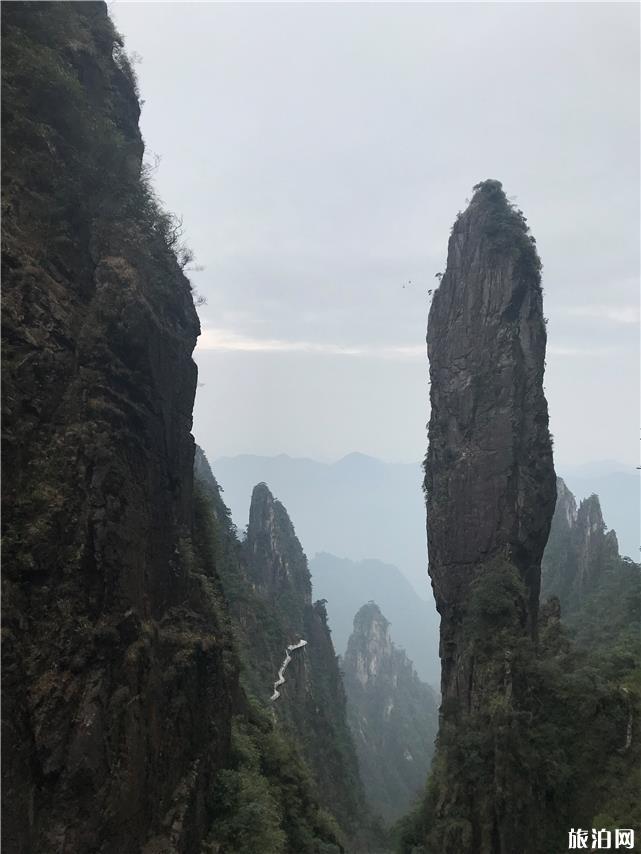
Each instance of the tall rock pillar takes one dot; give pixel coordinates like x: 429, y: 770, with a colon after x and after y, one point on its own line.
x: 490, y: 488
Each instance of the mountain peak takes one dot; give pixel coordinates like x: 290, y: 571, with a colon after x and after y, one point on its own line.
x: 393, y: 715
x: 274, y: 554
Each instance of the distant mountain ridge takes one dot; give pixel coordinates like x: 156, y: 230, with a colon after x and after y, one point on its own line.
x: 358, y: 507
x: 345, y: 584
x: 361, y: 507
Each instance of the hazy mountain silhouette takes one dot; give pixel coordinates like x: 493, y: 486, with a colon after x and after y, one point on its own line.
x: 414, y: 621
x: 358, y: 507
x: 361, y: 507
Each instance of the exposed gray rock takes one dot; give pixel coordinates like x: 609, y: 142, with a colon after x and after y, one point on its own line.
x: 491, y: 490
x: 489, y: 475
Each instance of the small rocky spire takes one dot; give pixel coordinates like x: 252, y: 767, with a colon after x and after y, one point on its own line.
x: 275, y: 557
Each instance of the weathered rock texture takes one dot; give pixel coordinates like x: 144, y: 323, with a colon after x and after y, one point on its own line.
x: 489, y: 475
x: 490, y: 486
x: 580, y: 549
x: 124, y: 726
x: 117, y: 695
x: 392, y: 714
x: 117, y: 698
x: 269, y: 589
x: 312, y: 701
x: 275, y: 558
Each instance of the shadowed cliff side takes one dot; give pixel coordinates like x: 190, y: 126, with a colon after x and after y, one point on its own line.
x: 268, y: 586
x: 490, y: 489
x: 312, y: 702
x: 125, y: 729
x: 117, y: 668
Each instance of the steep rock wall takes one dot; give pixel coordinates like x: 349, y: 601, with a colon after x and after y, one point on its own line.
x: 489, y: 476
x: 490, y: 490
x: 268, y: 585
x: 118, y: 681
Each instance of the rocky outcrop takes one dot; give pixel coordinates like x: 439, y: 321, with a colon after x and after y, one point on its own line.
x: 312, y: 701
x: 490, y: 489
x: 489, y: 476
x: 392, y: 714
x: 118, y: 679
x: 274, y: 556
x: 579, y: 551
x: 268, y: 586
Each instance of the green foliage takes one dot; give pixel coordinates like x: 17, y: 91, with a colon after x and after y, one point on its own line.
x: 312, y: 710
x: 264, y: 802
x: 71, y: 148
x: 506, y: 230
x: 495, y: 605
x: 274, y: 748
x: 248, y: 816
x: 393, y: 716
x: 552, y: 740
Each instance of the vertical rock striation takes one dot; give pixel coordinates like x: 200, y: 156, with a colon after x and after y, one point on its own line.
x: 124, y: 727
x: 267, y: 582
x: 312, y: 701
x: 117, y: 685
x: 275, y: 558
x: 392, y: 714
x: 489, y: 475
x: 490, y: 488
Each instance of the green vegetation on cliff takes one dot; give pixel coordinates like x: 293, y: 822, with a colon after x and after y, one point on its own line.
x: 266, y: 582
x: 569, y: 752
x: 266, y: 800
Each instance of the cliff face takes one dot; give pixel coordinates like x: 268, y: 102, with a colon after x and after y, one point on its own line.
x: 489, y: 475
x: 117, y: 694
x: 268, y: 586
x: 579, y: 550
x: 490, y: 486
x: 392, y: 714
x: 312, y: 701
x: 125, y: 729
x: 274, y: 556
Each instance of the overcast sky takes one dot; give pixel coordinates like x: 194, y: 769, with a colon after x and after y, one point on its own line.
x: 319, y: 154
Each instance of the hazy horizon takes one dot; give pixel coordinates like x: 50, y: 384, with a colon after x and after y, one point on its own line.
x: 604, y: 465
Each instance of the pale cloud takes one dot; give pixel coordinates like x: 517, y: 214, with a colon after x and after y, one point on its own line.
x: 226, y: 340
x: 230, y: 341
x: 627, y: 314
x: 581, y: 351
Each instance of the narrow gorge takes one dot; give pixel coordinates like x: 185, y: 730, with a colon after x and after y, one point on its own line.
x: 170, y: 681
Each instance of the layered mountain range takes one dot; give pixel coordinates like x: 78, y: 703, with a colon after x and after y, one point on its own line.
x: 579, y: 551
